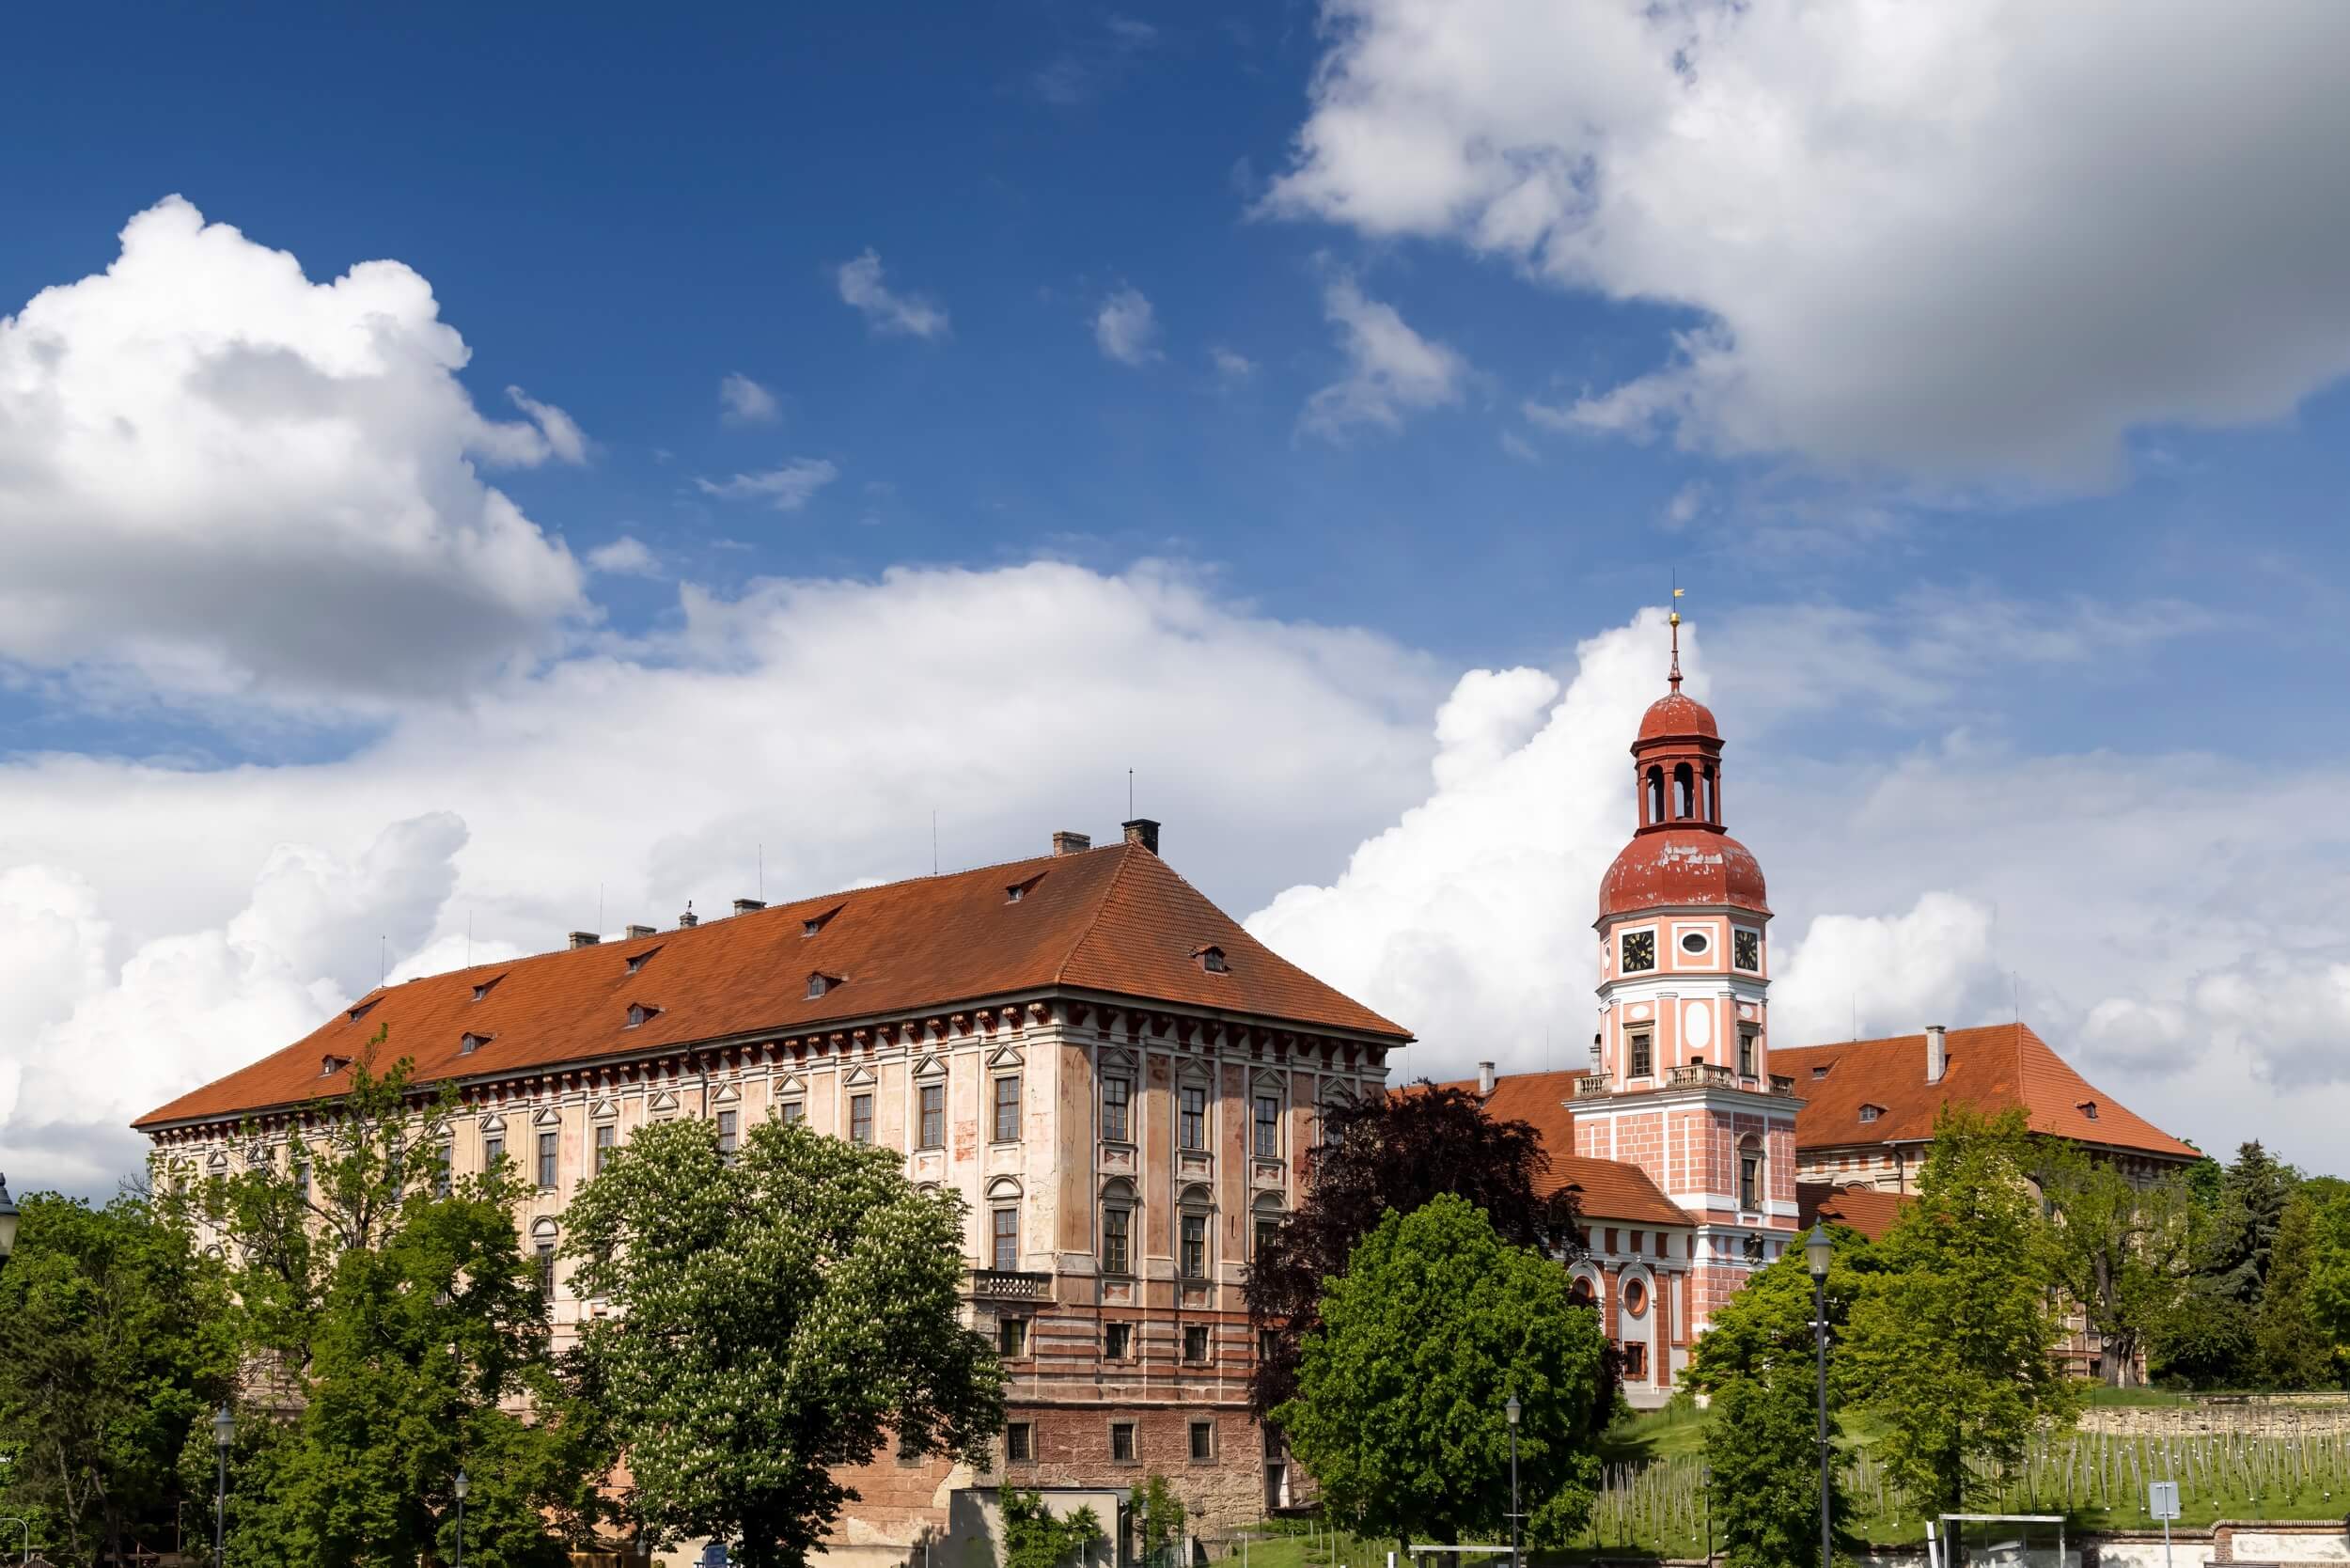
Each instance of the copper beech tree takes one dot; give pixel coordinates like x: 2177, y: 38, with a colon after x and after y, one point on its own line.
x: 1395, y: 1153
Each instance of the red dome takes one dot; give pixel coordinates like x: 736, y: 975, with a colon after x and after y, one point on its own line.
x: 1675, y: 717
x: 1682, y: 865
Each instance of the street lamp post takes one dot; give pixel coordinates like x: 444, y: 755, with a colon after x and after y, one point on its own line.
x: 1817, y: 1250
x: 224, y: 1427
x: 460, y: 1490
x: 1511, y: 1409
x: 20, y: 1524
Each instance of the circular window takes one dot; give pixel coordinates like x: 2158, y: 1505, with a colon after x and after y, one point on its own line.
x: 1634, y: 1295
x: 1695, y: 942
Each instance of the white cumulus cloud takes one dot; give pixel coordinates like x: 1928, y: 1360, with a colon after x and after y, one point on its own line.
x: 224, y: 477
x: 1962, y: 239
x: 885, y: 310
x: 1390, y: 369
x: 1126, y: 329
x: 625, y: 556
x: 787, y: 488
x: 744, y: 402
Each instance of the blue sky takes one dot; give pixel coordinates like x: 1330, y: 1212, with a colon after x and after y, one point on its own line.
x: 2031, y: 461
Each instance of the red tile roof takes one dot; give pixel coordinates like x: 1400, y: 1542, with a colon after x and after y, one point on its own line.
x: 1991, y: 1069
x: 1116, y: 920
x: 1605, y: 1189
x: 1866, y: 1208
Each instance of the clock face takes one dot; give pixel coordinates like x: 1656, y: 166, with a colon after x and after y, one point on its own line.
x: 1640, y: 950
x: 1745, y: 948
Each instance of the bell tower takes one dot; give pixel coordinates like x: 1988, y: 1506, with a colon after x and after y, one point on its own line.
x: 1681, y: 1083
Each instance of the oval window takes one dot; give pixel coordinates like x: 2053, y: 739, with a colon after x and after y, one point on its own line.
x: 1693, y: 942
x: 1634, y: 1295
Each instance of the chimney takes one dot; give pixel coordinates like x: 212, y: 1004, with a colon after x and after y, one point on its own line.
x: 746, y: 906
x: 1938, y: 1053
x: 1066, y: 842
x: 688, y: 920
x: 635, y: 931
x: 584, y: 939
x: 1485, y: 1078
x: 1143, y: 831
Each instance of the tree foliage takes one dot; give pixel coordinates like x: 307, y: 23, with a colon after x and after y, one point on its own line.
x: 1759, y: 1362
x: 778, y: 1314
x: 115, y: 1342
x: 2125, y: 1252
x: 1034, y: 1537
x: 1162, y: 1518
x: 416, y: 1334
x: 1394, y: 1152
x: 1399, y: 1413
x: 1952, y: 1341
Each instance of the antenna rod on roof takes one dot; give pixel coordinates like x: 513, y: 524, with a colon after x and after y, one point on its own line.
x: 934, y: 840
x: 382, y: 959
x: 1130, y: 794
x: 762, y: 869
x: 599, y: 909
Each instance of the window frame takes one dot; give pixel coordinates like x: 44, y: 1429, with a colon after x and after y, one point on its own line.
x: 930, y: 1115
x: 793, y: 1113
x: 1639, y: 1053
x: 1123, y: 1436
x: 861, y: 1117
x: 1750, y: 1051
x: 1019, y: 1442
x: 1265, y: 1126
x: 1000, y: 1236
x: 1011, y: 1339
x: 1198, y: 1344
x: 1201, y: 1442
x: 607, y: 1138
x: 729, y: 1133
x: 1118, y: 1226
x: 1004, y: 1105
x: 550, y: 1161
x: 1117, y: 1110
x: 1118, y: 1341
x: 1753, y: 1182
x: 1191, y: 1118
x: 1192, y: 1247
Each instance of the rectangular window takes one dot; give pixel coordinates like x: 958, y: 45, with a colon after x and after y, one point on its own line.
x: 1268, y: 1343
x: 1195, y: 1117
x: 1116, y: 1096
x: 1636, y: 1044
x: 1746, y: 1053
x: 795, y: 1112
x: 1012, y: 1338
x: 492, y: 1151
x: 546, y: 1271
x: 1117, y: 1254
x: 444, y: 1176
x: 302, y: 1180
x: 1007, y: 1250
x: 860, y: 1119
x: 1122, y: 1442
x: 1268, y: 1127
x: 729, y: 1124
x: 933, y: 1115
x: 1634, y: 1362
x: 1008, y: 1110
x: 546, y: 1162
x: 1195, y: 1246
x: 606, y: 1135
x: 1750, y: 1180
x: 1267, y: 1228
x: 1195, y: 1341
x: 1117, y: 1340
x: 1020, y: 1443
x: 1203, y: 1441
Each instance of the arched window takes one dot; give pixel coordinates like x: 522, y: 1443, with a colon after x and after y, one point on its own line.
x: 1265, y: 1216
x: 542, y: 1245
x: 1117, y: 1227
x: 1197, y: 1208
x: 1580, y: 1293
x: 1683, y: 790
x: 1750, y: 1186
x: 1713, y: 806
x: 1655, y: 794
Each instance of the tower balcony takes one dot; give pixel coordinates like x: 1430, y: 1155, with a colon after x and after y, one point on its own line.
x: 1696, y: 1074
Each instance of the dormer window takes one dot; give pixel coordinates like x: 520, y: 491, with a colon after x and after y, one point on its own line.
x: 639, y: 1011
x: 483, y: 990
x: 819, y: 984
x: 1819, y: 1072
x: 1019, y: 890
x: 1869, y: 1113
x: 2088, y: 1109
x: 468, y: 1044
x: 637, y: 960
x: 815, y: 923
x: 361, y: 1010
x: 329, y: 1066
x: 1211, y: 960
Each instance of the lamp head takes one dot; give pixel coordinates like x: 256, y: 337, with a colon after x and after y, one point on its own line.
x: 223, y: 1427
x: 7, y: 1219
x: 1511, y: 1409
x: 462, y: 1485
x: 1817, y: 1250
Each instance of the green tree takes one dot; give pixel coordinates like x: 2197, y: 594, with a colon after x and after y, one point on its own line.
x: 1952, y: 1341
x: 399, y: 1304
x: 2326, y: 1291
x: 1034, y: 1537
x: 2253, y: 1193
x: 2205, y: 1339
x: 778, y: 1313
x: 115, y: 1342
x: 2123, y: 1253
x: 2288, y: 1351
x: 1399, y: 1412
x: 1161, y: 1516
x: 1759, y: 1362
